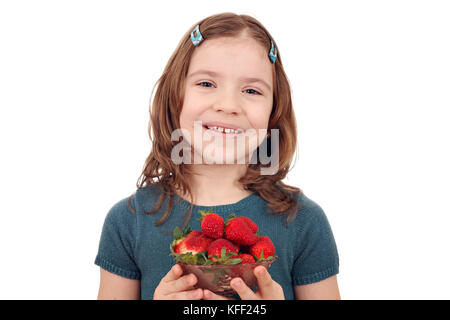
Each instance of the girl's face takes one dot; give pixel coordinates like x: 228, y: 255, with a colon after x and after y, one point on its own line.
x: 229, y: 81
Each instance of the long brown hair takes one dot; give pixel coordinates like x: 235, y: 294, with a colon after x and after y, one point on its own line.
x: 165, y: 111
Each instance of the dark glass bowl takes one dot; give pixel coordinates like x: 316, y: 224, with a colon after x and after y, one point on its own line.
x: 217, y: 277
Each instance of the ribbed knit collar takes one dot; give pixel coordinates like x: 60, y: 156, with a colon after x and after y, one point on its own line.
x: 246, y: 202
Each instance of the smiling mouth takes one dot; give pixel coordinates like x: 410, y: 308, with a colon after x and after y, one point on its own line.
x: 223, y: 130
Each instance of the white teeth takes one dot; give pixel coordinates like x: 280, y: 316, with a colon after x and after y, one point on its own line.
x: 223, y: 130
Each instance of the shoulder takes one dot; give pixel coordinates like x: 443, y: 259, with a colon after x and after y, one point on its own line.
x: 308, y: 205
x: 130, y: 208
x: 147, y: 196
x: 134, y: 201
x: 122, y: 212
x: 310, y: 214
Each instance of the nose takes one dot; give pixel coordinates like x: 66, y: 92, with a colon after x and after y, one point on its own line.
x: 228, y: 102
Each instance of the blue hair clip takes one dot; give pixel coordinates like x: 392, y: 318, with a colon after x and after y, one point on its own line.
x: 273, y: 52
x: 196, y: 36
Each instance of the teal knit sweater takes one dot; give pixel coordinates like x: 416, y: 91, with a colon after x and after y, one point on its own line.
x: 132, y: 246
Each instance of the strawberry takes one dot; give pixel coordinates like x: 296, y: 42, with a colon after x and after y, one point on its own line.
x: 221, y: 250
x: 250, y: 223
x: 263, y: 248
x: 238, y: 231
x: 195, y: 242
x: 245, y: 258
x: 188, y: 245
x: 212, y: 224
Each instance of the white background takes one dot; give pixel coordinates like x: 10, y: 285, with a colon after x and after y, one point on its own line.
x: 371, y: 89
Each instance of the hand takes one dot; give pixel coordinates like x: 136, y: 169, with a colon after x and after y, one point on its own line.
x: 267, y: 288
x: 174, y: 286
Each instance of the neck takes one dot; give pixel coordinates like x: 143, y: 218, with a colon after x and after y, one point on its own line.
x: 216, y: 184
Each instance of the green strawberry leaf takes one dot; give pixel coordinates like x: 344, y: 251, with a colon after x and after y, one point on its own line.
x: 192, y: 259
x: 177, y: 233
x: 231, y: 216
x: 188, y: 258
x: 261, y: 257
x: 233, y: 261
x: 204, y: 213
x: 230, y: 254
x: 203, y: 259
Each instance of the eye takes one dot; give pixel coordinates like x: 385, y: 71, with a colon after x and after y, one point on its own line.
x: 252, y: 90
x: 209, y: 84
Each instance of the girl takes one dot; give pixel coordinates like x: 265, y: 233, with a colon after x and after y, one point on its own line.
x: 225, y: 73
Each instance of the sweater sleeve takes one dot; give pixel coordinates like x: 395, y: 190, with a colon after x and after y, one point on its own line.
x: 316, y: 255
x: 118, y: 242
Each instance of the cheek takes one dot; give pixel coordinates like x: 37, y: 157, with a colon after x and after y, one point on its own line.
x: 258, y: 114
x: 259, y: 119
x: 188, y: 113
x: 191, y: 110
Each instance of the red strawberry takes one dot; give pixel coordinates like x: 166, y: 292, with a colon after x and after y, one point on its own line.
x: 215, y: 248
x: 238, y: 231
x: 250, y: 223
x: 265, y: 245
x: 212, y: 224
x: 194, y: 242
x: 246, y: 258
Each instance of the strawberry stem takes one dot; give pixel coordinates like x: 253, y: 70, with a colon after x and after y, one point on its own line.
x: 204, y: 213
x: 231, y: 216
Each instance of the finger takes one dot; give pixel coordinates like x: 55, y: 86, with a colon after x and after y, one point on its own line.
x: 173, y: 274
x: 242, y: 289
x: 209, y: 295
x: 196, y: 294
x: 265, y: 282
x: 268, y: 289
x: 182, y: 284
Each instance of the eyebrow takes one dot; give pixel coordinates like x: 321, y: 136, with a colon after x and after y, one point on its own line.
x: 215, y: 74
